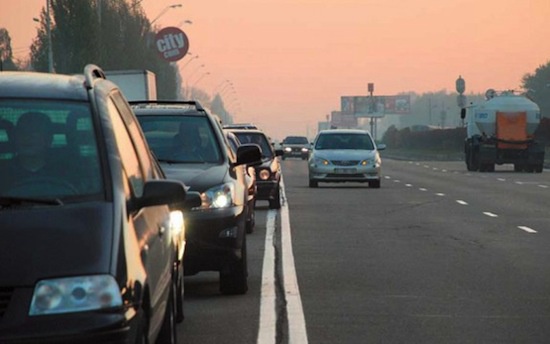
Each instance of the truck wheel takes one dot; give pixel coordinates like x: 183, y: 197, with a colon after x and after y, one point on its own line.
x: 538, y: 168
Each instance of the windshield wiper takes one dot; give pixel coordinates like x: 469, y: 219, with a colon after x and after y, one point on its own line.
x: 7, y: 201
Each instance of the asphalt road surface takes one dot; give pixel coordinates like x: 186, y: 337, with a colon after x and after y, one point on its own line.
x: 436, y: 255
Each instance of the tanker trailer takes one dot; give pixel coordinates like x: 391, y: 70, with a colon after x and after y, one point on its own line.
x: 500, y: 131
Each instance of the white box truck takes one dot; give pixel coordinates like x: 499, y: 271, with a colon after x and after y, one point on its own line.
x: 135, y: 84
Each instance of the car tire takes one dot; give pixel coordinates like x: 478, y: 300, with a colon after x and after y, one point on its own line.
x: 313, y: 183
x: 168, y: 331
x: 375, y: 184
x: 236, y: 282
x: 275, y: 203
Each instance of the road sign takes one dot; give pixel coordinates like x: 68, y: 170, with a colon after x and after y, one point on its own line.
x: 171, y: 43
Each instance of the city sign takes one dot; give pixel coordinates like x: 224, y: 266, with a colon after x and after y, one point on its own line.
x: 171, y: 43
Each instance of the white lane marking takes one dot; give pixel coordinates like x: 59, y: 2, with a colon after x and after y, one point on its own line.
x: 461, y: 202
x: 396, y: 181
x: 440, y: 194
x: 268, y: 315
x: 297, y: 333
x: 423, y: 189
x: 435, y: 168
x: 488, y: 213
x: 527, y: 229
x: 444, y: 170
x: 387, y: 177
x: 543, y: 186
x: 519, y: 183
x: 426, y: 166
x: 408, y: 185
x: 501, y: 179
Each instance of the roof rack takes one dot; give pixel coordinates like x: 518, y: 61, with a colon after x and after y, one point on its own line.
x: 195, y: 103
x: 92, y: 72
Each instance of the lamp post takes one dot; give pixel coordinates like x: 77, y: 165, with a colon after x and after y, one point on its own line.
x: 194, y: 71
x: 166, y: 9
x: 188, y: 62
x: 199, y: 79
x: 183, y: 22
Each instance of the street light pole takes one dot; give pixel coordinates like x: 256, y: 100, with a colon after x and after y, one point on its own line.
x: 164, y: 11
x: 49, y: 32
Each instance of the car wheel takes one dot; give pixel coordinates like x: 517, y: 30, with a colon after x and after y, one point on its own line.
x: 236, y: 282
x: 168, y: 331
x: 313, y: 183
x: 180, y: 292
x: 275, y: 203
x: 374, y: 184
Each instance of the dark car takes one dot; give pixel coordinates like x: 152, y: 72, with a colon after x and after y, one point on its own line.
x: 190, y: 146
x: 268, y: 173
x: 91, y: 249
x: 295, y: 147
x: 250, y: 177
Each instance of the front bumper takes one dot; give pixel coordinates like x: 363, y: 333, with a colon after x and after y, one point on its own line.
x: 331, y: 173
x: 213, y: 239
x: 16, y: 326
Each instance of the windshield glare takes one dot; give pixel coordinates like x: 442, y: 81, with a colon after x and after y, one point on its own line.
x: 48, y: 150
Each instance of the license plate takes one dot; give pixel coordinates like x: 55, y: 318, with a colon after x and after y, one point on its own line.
x: 345, y: 170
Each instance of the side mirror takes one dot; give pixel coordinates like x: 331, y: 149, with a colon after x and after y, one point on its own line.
x: 159, y: 192
x: 248, y: 153
x: 381, y: 146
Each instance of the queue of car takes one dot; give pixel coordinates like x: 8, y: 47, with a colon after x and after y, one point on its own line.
x: 106, y: 204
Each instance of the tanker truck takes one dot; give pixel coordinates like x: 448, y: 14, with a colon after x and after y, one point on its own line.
x: 500, y: 130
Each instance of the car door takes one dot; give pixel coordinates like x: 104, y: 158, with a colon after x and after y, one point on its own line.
x: 151, y: 223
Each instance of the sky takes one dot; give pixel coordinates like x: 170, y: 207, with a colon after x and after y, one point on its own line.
x: 284, y: 64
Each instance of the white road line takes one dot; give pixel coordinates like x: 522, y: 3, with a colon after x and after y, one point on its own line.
x: 396, y: 181
x: 444, y: 170
x: 387, y: 177
x: 501, y: 179
x: 543, y: 186
x: 461, y: 202
x: 527, y: 229
x: 490, y: 214
x: 297, y: 333
x: 268, y: 314
x: 408, y: 185
x: 440, y: 194
x: 423, y: 189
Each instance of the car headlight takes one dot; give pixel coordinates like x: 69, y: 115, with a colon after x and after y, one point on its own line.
x: 177, y: 223
x: 75, y: 294
x: 264, y: 174
x: 321, y: 161
x: 220, y: 196
x: 305, y: 150
x: 288, y: 149
x: 367, y: 162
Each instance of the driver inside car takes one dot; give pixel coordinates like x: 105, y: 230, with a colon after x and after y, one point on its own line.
x: 32, y: 166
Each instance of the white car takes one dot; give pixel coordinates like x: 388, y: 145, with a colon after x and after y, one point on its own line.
x: 345, y: 155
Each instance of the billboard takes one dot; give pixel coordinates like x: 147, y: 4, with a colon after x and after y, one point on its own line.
x: 344, y: 120
x: 376, y: 106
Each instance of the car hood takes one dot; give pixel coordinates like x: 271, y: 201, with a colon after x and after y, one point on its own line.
x: 54, y: 241
x: 344, y: 154
x: 198, y: 177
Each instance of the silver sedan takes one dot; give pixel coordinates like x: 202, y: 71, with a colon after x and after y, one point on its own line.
x: 345, y: 155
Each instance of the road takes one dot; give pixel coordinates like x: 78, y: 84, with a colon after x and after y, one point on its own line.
x: 436, y: 255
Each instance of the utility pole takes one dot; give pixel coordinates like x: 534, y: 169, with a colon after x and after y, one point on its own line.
x: 49, y: 32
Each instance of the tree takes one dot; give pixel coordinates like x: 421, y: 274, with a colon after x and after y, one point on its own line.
x: 537, y: 87
x: 6, y: 53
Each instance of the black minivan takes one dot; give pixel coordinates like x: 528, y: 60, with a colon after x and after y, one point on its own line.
x: 90, y: 244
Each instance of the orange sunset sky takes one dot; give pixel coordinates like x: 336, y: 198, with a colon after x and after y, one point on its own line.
x: 290, y: 61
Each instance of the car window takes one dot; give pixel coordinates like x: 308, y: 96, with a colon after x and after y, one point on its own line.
x: 295, y: 140
x: 344, y: 141
x: 48, y: 149
x: 258, y: 139
x: 184, y: 139
x: 130, y: 160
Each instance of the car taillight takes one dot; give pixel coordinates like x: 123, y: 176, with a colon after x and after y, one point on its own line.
x: 264, y: 174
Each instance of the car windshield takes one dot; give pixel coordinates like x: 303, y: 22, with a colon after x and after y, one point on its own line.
x: 259, y: 139
x: 181, y: 139
x: 295, y: 140
x: 48, y: 150
x: 344, y: 141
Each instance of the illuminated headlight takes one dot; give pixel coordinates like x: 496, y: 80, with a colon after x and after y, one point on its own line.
x: 367, y: 162
x: 321, y: 161
x: 177, y: 223
x: 305, y: 150
x: 75, y: 294
x: 264, y: 174
x: 288, y: 149
x: 220, y: 196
